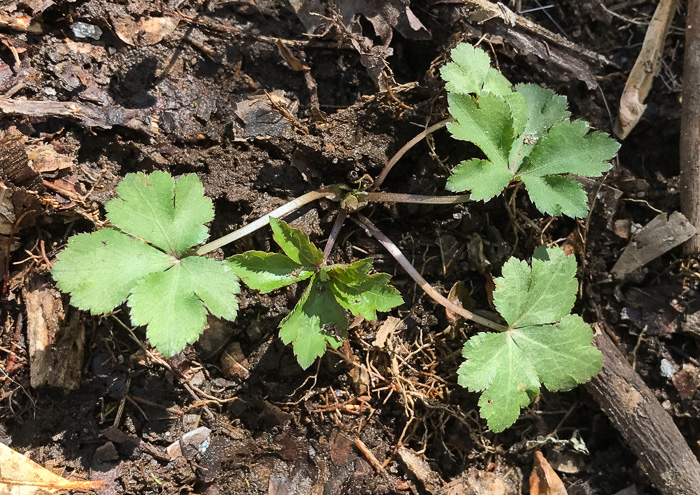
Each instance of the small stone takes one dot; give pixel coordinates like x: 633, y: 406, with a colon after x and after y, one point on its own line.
x: 106, y: 453
x: 82, y: 30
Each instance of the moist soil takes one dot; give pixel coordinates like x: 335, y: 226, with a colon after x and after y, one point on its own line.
x: 229, y: 107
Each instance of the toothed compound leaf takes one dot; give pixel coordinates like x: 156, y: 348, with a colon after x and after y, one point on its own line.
x: 332, y: 289
x: 483, y: 178
x: 470, y: 72
x: 569, y: 148
x: 525, y: 135
x: 173, y: 304
x: 366, y: 296
x: 544, y: 108
x: 169, y: 294
x: 167, y: 214
x: 557, y: 195
x: 539, y: 294
x: 543, y: 345
x: 267, y: 271
x: 304, y: 326
x: 100, y: 269
x: 295, y: 244
x: 488, y: 123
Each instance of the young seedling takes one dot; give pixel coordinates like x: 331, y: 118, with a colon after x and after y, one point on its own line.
x: 332, y: 289
x: 525, y: 134
x: 145, y: 261
x: 149, y: 260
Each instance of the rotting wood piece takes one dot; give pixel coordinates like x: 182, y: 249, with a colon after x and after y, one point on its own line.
x: 55, y: 347
x: 87, y: 114
x: 646, y: 427
x: 690, y: 127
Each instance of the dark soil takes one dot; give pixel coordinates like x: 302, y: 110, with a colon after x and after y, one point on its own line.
x: 276, y: 429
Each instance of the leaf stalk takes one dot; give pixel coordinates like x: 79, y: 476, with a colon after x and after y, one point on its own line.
x: 393, y: 249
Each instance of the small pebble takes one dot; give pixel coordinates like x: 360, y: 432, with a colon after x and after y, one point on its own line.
x: 82, y: 30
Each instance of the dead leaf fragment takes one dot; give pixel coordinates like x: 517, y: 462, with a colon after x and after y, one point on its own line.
x: 687, y: 381
x: 543, y: 479
x: 20, y: 475
x: 144, y: 32
x: 45, y: 159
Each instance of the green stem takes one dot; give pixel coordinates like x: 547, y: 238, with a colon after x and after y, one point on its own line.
x: 333, y: 191
x: 413, y: 273
x: 404, y: 149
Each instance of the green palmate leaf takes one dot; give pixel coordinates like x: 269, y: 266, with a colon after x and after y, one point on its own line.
x: 100, y: 269
x: 525, y: 134
x: 557, y: 195
x: 169, y: 215
x: 544, y: 108
x: 544, y: 344
x: 304, y: 326
x: 488, y: 123
x: 536, y: 295
x: 168, y: 293
x: 351, y: 274
x: 470, y: 72
x: 367, y: 296
x: 568, y: 148
x: 267, y: 271
x: 496, y: 365
x: 173, y: 304
x: 483, y: 178
x: 295, y: 244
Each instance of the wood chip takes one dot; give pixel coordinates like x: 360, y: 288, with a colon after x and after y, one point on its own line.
x: 657, y: 237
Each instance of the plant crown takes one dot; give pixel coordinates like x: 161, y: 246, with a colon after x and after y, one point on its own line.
x: 526, y: 135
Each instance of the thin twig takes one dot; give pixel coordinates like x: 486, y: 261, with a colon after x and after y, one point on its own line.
x: 295, y: 204
x: 413, y: 273
x: 405, y: 148
x: 339, y: 221
x: 384, y: 197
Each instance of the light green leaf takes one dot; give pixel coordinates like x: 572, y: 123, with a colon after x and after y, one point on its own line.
x: 295, y: 244
x: 495, y: 365
x: 567, y: 148
x: 557, y: 195
x: 169, y: 215
x: 543, y: 344
x: 267, y: 271
x: 525, y: 133
x: 544, y: 108
x: 470, y: 72
x: 352, y: 274
x: 100, y: 269
x: 303, y: 327
x: 536, y: 295
x: 366, y: 295
x: 518, y: 111
x: 561, y: 354
x: 488, y: 124
x: 173, y: 304
x: 483, y: 178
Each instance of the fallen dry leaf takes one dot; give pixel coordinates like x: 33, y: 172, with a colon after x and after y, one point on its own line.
x: 45, y: 158
x: 543, y: 479
x: 144, y: 32
x: 20, y: 475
